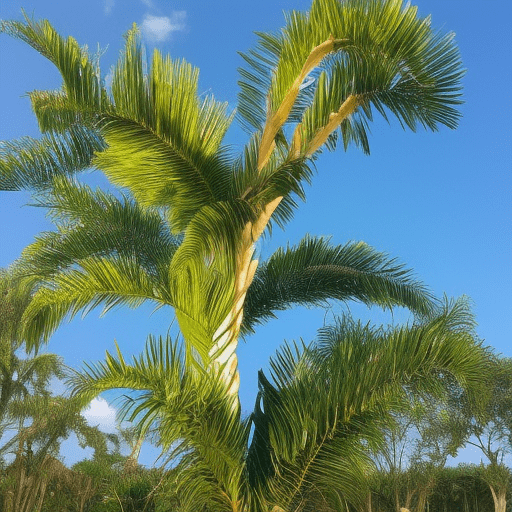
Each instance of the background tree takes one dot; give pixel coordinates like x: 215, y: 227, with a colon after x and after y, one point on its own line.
x: 21, y: 375
x: 417, y: 445
x: 488, y: 421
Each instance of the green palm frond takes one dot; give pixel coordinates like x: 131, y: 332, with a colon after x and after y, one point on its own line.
x: 383, y: 54
x: 164, y: 140
x: 95, y: 223
x: 80, y: 72
x: 315, y: 272
x: 281, y: 177
x: 157, y: 173
x: 33, y: 164
x: 111, y: 281
x: 188, y: 409
x: 357, y: 374
x: 106, y: 250
x: 56, y: 114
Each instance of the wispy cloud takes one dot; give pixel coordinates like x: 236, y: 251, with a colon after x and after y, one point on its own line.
x: 148, y: 3
x: 109, y: 5
x: 160, y: 28
x: 100, y: 413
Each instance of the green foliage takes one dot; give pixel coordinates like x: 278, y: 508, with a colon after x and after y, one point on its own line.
x: 384, y: 54
x: 153, y: 134
x: 314, y: 421
x: 183, y: 235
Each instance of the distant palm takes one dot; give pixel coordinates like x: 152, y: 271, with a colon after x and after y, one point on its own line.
x: 187, y: 238
x: 22, y: 377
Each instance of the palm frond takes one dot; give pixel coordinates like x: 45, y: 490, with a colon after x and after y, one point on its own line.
x: 315, y: 272
x: 56, y: 113
x: 357, y: 375
x: 33, y: 164
x: 97, y: 224
x: 164, y: 142
x: 112, y: 281
x: 382, y: 54
x: 188, y: 409
x: 80, y: 72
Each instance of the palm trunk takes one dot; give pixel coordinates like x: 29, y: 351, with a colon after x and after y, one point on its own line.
x: 132, y: 460
x: 225, y: 341
x: 499, y: 497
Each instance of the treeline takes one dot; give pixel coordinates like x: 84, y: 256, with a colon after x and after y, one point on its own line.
x: 103, y: 486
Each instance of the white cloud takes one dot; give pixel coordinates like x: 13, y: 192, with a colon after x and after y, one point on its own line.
x: 108, y: 78
x: 109, y: 5
x: 148, y: 3
x: 100, y: 413
x: 159, y: 28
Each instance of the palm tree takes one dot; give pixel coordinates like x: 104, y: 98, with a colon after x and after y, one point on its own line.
x: 33, y: 422
x: 317, y: 418
x: 22, y: 376
x: 186, y: 235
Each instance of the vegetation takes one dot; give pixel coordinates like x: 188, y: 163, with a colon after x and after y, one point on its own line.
x: 183, y: 236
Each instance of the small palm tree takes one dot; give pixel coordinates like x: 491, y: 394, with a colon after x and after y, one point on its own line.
x: 22, y: 376
x: 317, y: 418
x: 185, y: 237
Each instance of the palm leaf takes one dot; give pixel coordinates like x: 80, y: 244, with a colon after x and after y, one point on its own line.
x: 383, y: 54
x: 163, y: 139
x: 34, y: 164
x: 95, y: 223
x: 82, y: 83
x: 113, y: 281
x: 190, y: 412
x: 315, y: 272
x: 357, y: 375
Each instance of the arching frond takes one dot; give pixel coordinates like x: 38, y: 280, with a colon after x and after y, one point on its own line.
x: 80, y: 72
x: 97, y: 224
x: 112, y: 281
x: 33, y: 164
x: 315, y: 272
x: 379, y: 53
x: 190, y: 412
x: 356, y: 375
x: 164, y: 140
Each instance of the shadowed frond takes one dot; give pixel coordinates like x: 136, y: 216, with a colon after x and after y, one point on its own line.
x: 315, y: 272
x: 356, y: 374
x: 96, y: 224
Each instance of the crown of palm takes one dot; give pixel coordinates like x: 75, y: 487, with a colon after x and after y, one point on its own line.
x: 152, y: 133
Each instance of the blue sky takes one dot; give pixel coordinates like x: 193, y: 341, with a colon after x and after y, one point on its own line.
x: 440, y: 202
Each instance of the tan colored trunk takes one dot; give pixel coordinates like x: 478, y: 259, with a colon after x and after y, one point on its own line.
x: 223, y: 352
x: 132, y: 461
x: 369, y: 502
x: 348, y: 107
x: 225, y: 339
x: 499, y: 497
x: 275, y: 121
